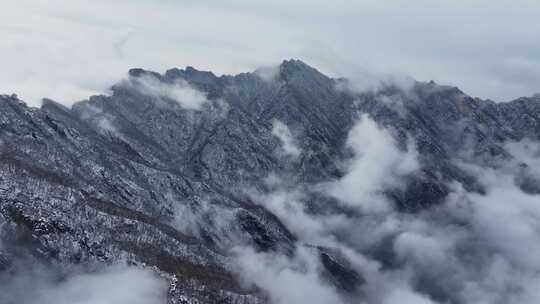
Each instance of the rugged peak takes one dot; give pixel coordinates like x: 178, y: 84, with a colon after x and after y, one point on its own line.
x: 47, y: 103
x: 192, y: 75
x: 128, y: 177
x: 294, y: 63
x: 11, y: 99
x: 432, y: 88
x: 300, y: 74
x: 138, y: 72
x: 294, y: 66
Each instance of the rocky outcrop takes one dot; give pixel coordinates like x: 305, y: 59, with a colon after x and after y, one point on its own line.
x: 111, y: 177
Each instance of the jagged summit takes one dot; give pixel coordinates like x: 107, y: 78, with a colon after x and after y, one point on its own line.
x: 192, y: 74
x: 292, y: 71
x: 296, y: 66
x: 138, y: 72
x: 286, y: 70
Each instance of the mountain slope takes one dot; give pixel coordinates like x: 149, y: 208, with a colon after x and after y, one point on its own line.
x: 139, y: 176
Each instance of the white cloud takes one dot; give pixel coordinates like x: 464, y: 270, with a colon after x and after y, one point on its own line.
x: 288, y: 144
x: 68, y: 50
x: 268, y: 73
x: 474, y: 248
x: 288, y: 206
x: 203, y: 219
x: 119, y: 285
x: 526, y: 152
x: 286, y: 280
x: 509, y: 219
x: 406, y: 296
x: 377, y: 163
x: 106, y: 125
x: 179, y: 91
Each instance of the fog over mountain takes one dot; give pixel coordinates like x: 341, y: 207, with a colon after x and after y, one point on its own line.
x: 280, y: 185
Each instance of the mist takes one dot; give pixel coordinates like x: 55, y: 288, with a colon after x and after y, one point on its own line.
x: 180, y: 91
x: 478, y: 245
x: 472, y: 248
x: 30, y: 282
x: 282, y: 132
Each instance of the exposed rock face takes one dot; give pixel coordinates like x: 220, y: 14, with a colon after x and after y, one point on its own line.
x: 110, y: 178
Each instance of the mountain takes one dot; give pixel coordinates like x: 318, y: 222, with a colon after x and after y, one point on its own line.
x: 138, y: 176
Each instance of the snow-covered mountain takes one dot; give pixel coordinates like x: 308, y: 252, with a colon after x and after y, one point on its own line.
x: 191, y: 175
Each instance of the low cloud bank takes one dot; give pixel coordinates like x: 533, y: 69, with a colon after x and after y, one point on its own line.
x: 286, y: 280
x: 473, y: 248
x: 33, y: 284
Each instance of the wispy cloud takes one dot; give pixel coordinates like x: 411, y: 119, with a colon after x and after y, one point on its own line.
x: 377, y: 163
x: 473, y: 248
x: 286, y: 280
x: 118, y: 284
x: 288, y: 143
x: 179, y: 91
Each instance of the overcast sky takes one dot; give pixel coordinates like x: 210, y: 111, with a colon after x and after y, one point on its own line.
x: 70, y: 49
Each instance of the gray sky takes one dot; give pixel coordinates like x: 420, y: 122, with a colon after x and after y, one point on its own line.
x: 69, y: 49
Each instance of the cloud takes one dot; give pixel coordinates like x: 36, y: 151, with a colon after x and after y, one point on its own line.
x: 116, y: 284
x: 179, y: 91
x: 106, y: 125
x: 103, y: 121
x: 405, y: 296
x: 509, y: 219
x: 377, y: 163
x: 204, y: 219
x: 286, y: 280
x: 505, y: 223
x: 268, y: 73
x: 288, y: 144
x: 526, y: 152
x: 289, y: 206
x: 473, y: 248
x: 337, y: 230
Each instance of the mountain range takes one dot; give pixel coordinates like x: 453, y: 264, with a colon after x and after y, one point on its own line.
x: 171, y: 172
